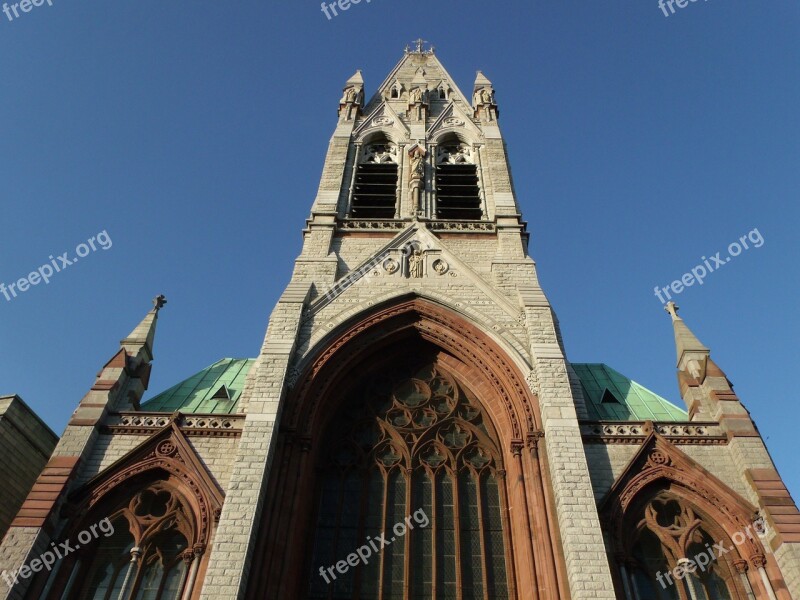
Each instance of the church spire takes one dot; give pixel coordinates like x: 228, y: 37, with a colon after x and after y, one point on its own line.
x: 139, y: 343
x: 692, y: 354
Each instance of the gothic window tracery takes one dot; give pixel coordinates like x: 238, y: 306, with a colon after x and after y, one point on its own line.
x: 407, y: 441
x: 375, y: 183
x: 146, y: 557
x: 668, y: 532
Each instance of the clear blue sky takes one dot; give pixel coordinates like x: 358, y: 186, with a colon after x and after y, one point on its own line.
x: 194, y: 134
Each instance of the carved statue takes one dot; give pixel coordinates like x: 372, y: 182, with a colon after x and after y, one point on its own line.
x: 415, y: 264
x: 486, y: 96
x: 350, y: 95
x: 415, y: 96
x: 417, y: 175
x: 417, y: 168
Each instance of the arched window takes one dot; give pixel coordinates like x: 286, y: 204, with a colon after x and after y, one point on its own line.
x: 458, y: 194
x: 411, y: 476
x: 375, y: 185
x: 667, y: 533
x: 144, y: 557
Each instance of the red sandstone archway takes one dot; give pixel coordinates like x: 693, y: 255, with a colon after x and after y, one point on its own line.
x: 281, y: 557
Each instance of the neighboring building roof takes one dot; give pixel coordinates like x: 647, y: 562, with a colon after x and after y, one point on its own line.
x: 610, y: 396
x: 214, y: 390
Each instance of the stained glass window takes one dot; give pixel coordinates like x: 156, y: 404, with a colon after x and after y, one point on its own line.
x: 411, y: 476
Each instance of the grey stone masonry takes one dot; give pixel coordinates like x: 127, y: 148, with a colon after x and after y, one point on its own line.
x: 263, y: 395
x: 26, y: 444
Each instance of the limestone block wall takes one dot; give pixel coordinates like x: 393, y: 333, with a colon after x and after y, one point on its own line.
x: 26, y: 444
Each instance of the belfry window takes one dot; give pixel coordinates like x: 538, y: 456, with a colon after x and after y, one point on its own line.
x: 458, y: 194
x: 411, y: 459
x: 375, y: 184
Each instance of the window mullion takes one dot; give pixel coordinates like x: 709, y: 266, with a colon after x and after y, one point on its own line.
x: 457, y: 531
x: 382, y: 558
x: 407, y: 538
x: 482, y: 536
x: 435, y: 526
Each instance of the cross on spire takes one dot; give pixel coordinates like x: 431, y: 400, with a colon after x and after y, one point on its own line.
x: 672, y: 309
x: 419, y: 47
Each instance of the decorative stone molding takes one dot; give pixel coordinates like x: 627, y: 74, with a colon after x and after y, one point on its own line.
x: 139, y: 423
x: 635, y: 432
x: 361, y: 224
x: 453, y: 122
x: 462, y: 226
x: 396, y: 225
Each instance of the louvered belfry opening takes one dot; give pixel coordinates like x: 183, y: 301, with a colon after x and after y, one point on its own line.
x: 458, y: 195
x: 375, y: 186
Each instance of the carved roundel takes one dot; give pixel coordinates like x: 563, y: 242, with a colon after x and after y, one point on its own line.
x: 382, y: 121
x: 657, y: 457
x: 166, y: 448
x: 390, y: 265
x: 453, y: 122
x: 440, y: 266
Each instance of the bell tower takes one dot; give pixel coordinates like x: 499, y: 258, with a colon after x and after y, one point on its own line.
x: 415, y: 245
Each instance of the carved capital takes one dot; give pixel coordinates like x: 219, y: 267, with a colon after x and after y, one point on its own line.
x: 516, y: 447
x: 759, y: 561
x: 741, y: 566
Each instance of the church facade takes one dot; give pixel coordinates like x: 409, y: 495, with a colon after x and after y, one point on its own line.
x: 412, y: 427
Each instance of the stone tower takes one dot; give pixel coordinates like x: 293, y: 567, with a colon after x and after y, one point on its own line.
x: 415, y: 238
x: 411, y: 427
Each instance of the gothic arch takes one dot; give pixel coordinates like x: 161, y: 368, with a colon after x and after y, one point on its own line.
x: 165, y: 472
x: 481, y: 366
x: 659, y: 475
x: 517, y: 413
x: 383, y: 132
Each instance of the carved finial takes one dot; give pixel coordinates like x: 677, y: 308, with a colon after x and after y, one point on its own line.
x: 672, y: 309
x: 159, y: 302
x: 419, y: 47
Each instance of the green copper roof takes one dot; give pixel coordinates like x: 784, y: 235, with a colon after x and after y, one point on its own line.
x: 610, y: 396
x: 203, y: 393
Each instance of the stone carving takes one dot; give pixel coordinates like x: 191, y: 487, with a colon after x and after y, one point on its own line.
x: 461, y: 226
x: 440, y: 266
x: 417, y: 174
x: 350, y: 94
x: 292, y: 376
x: 194, y: 425
x: 359, y: 224
x: 415, y: 96
x: 533, y: 381
x: 391, y: 266
x: 453, y: 122
x: 415, y: 264
x: 484, y: 96
x: 382, y: 121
